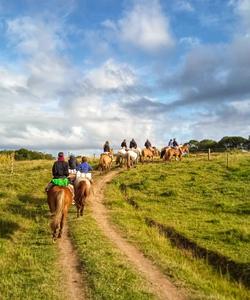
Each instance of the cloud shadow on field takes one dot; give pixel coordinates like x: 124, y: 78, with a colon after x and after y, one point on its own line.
x: 7, y: 228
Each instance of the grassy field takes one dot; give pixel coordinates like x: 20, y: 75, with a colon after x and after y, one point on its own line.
x: 28, y: 262
x: 28, y: 259
x: 175, y: 211
x: 200, y: 201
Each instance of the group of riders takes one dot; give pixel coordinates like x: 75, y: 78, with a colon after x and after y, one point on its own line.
x: 65, y: 172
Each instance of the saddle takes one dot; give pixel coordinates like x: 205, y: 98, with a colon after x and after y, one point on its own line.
x: 60, y: 181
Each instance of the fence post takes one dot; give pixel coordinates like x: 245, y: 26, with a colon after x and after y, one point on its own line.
x: 227, y: 160
x: 208, y: 154
x: 94, y: 155
x: 12, y: 162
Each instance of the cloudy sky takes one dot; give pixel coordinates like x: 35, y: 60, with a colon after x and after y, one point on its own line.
x: 75, y: 73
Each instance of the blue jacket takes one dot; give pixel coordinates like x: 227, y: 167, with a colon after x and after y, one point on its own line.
x: 84, y: 167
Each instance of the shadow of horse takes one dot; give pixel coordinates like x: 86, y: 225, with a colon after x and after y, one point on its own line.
x: 59, y: 201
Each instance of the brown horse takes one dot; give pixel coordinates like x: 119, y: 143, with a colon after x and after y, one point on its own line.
x: 172, y: 152
x: 105, y: 161
x: 148, y: 153
x: 59, y: 201
x: 184, y: 148
x: 82, y: 192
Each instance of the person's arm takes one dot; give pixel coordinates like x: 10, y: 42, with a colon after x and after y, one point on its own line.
x: 54, y: 170
x: 66, y: 169
x: 90, y: 168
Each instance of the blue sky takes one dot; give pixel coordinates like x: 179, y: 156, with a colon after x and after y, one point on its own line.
x: 75, y: 73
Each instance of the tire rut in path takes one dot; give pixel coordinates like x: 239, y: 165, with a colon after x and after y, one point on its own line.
x: 159, y: 285
x: 69, y: 264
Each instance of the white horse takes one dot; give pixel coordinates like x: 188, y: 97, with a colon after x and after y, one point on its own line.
x: 121, y: 157
x: 132, y: 158
x: 138, y: 151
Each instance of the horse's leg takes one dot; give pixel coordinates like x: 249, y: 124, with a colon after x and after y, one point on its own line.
x: 82, y: 207
x: 61, y: 226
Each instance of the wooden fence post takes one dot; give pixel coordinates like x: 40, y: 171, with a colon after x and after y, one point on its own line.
x: 208, y: 154
x: 227, y: 160
x: 12, y: 162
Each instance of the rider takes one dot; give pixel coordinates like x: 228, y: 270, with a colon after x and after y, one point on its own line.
x: 106, y: 147
x: 132, y: 144
x: 147, y: 144
x: 60, y: 170
x: 170, y: 143
x: 175, y: 144
x: 73, y: 163
x: 124, y: 144
x: 84, y: 168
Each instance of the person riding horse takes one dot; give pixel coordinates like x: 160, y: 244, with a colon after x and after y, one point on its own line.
x: 124, y: 144
x: 106, y: 147
x: 147, y: 144
x: 73, y: 163
x: 170, y: 143
x: 84, y: 168
x: 132, y: 144
x: 175, y: 144
x: 60, y: 172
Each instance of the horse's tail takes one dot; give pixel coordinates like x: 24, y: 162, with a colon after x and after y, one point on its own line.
x: 82, y: 192
x: 57, y: 216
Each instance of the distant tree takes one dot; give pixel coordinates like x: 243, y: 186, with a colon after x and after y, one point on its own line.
x: 232, y: 142
x: 207, y: 144
x: 25, y: 154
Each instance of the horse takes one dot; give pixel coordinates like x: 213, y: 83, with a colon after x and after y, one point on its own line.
x: 132, y: 158
x: 121, y: 157
x: 105, y: 161
x: 59, y: 201
x: 184, y: 148
x: 138, y: 151
x: 82, y: 191
x: 163, y: 151
x: 148, y: 153
x: 172, y: 152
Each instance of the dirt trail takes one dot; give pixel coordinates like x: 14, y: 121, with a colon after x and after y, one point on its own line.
x: 69, y: 264
x: 158, y: 283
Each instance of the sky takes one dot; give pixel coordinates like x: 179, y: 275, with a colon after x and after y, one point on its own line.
x: 75, y: 73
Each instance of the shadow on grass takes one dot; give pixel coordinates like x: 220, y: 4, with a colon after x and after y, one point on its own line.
x: 28, y: 207
x: 237, y: 271
x: 7, y: 228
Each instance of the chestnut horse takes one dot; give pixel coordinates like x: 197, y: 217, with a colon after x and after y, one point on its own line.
x: 59, y: 201
x: 148, y: 153
x: 105, y: 161
x: 176, y: 152
x: 82, y: 192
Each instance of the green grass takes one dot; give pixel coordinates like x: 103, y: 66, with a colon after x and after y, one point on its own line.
x: 203, y: 200
x: 28, y: 260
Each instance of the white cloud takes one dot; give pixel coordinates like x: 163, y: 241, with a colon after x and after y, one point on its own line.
x: 31, y: 36
x: 144, y: 26
x: 111, y: 76
x: 183, y: 5
x: 190, y: 41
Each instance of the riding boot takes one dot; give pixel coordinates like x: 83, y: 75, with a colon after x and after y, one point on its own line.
x: 71, y: 188
x: 48, y: 187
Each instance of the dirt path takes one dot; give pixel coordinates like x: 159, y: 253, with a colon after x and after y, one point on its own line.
x: 158, y: 283
x: 70, y: 266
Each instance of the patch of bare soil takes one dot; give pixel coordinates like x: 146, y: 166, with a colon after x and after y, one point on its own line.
x: 70, y: 266
x: 158, y: 283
